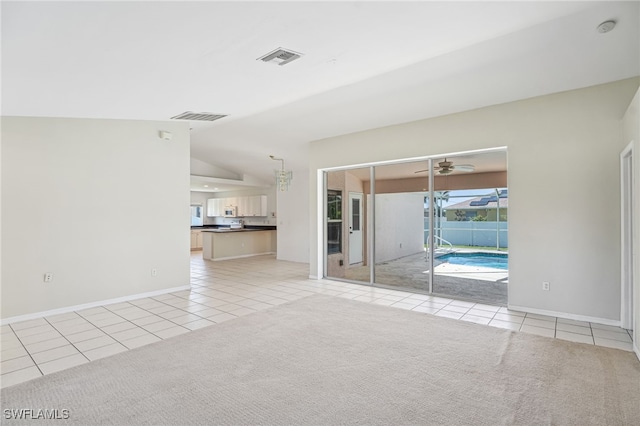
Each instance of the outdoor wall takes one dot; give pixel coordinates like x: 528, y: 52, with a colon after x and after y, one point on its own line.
x: 631, y: 132
x: 72, y: 205
x: 399, y: 225
x: 563, y: 151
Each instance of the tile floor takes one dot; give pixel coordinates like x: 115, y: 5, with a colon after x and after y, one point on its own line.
x: 222, y: 291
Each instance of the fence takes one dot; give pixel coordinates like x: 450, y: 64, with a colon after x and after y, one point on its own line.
x: 471, y: 233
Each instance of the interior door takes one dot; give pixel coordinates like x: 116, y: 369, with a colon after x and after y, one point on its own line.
x: 355, y: 228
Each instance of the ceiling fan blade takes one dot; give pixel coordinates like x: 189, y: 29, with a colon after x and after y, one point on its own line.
x: 465, y: 168
x: 422, y: 171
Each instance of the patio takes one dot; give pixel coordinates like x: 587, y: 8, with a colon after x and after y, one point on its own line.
x: 475, y: 283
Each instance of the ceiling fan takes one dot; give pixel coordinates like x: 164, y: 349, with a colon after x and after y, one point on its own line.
x: 446, y: 167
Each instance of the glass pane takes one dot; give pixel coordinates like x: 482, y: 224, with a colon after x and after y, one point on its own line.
x: 334, y: 205
x: 400, y: 254
x: 470, y: 228
x: 355, y: 214
x: 334, y: 237
x: 346, y: 225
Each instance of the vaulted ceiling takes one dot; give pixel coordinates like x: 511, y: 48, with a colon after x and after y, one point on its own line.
x: 363, y: 65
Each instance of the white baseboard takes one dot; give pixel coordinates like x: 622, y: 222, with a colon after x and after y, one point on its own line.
x: 242, y: 256
x: 605, y: 321
x: 636, y: 349
x: 75, y: 308
x: 314, y: 277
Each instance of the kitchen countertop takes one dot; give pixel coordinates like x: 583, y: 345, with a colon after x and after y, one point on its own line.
x: 228, y: 230
x: 209, y: 228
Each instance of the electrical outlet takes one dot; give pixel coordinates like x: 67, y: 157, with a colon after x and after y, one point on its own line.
x: 545, y: 285
x: 154, y: 272
x: 48, y: 277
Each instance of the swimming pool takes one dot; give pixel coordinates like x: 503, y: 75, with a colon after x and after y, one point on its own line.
x: 486, y: 260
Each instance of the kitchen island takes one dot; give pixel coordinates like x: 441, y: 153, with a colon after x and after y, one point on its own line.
x: 225, y: 243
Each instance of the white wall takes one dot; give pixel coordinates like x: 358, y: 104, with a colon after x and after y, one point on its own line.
x: 72, y: 205
x: 293, y: 219
x: 631, y: 132
x: 563, y: 151
x: 399, y: 225
x: 201, y: 168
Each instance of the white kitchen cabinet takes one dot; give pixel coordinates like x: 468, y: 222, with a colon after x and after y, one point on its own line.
x: 215, y: 207
x: 221, y: 203
x: 257, y: 205
x: 244, y: 208
x: 233, y: 201
x: 253, y: 206
x: 211, y: 207
x: 196, y: 239
x: 263, y: 206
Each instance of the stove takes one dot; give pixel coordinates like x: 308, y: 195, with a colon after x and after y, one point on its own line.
x: 237, y: 224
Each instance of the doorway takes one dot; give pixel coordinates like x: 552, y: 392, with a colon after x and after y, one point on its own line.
x: 355, y: 228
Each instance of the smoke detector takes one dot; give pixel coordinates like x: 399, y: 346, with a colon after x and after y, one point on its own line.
x: 606, y: 26
x: 198, y: 116
x: 280, y: 56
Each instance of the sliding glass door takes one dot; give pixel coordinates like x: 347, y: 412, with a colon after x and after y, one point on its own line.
x: 437, y: 225
x: 470, y: 228
x: 346, y: 255
x: 400, y: 255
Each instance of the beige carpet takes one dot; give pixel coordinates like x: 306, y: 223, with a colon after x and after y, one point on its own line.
x: 325, y: 360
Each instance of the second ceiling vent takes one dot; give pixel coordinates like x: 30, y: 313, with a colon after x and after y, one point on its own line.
x: 280, y: 56
x: 198, y: 116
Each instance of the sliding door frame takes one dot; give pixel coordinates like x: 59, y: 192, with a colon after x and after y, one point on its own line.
x: 371, y: 217
x: 431, y: 238
x: 371, y: 226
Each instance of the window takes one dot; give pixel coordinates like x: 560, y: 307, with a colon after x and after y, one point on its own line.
x: 196, y: 215
x: 334, y: 222
x: 334, y: 205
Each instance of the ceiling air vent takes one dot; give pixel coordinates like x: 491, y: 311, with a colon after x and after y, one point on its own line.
x: 280, y: 56
x: 198, y: 116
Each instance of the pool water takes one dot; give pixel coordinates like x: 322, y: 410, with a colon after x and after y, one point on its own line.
x: 486, y: 260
